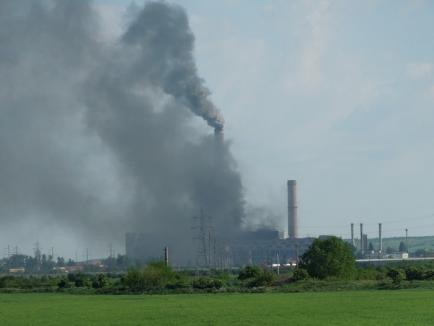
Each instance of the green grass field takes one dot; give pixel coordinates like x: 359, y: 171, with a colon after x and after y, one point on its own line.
x: 333, y: 308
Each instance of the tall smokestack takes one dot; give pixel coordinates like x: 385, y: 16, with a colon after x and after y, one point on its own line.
x: 292, y: 210
x: 352, y: 234
x: 361, y: 238
x: 380, y: 238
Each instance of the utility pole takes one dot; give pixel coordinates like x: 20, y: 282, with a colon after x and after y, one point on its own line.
x: 214, y: 253
x: 202, y: 252
x: 209, y: 247
x: 406, y: 239
x: 87, y: 255
x: 166, y: 256
x: 110, y: 250
x: 380, y: 238
x: 278, y: 263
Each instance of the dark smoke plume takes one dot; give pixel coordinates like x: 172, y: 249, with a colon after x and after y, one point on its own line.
x: 99, y: 138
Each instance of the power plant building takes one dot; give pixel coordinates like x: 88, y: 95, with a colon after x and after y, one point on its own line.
x: 262, y: 246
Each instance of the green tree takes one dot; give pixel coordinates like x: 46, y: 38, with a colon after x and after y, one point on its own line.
x: 331, y: 257
x: 300, y: 274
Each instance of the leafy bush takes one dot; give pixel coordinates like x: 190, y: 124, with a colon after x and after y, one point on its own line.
x: 429, y: 275
x: 370, y: 273
x: 155, y: 275
x: 133, y: 279
x: 266, y: 278
x: 330, y: 257
x: 254, y: 276
x: 63, y: 284
x: 178, y: 283
x: 397, y: 275
x: 203, y: 283
x: 249, y: 272
x: 413, y: 273
x: 300, y: 274
x: 99, y: 282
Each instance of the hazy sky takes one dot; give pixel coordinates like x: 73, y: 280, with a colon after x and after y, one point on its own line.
x: 336, y: 94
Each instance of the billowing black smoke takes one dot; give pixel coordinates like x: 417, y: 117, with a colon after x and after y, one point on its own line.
x: 100, y: 138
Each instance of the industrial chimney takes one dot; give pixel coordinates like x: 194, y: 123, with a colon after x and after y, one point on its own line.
x: 218, y: 145
x: 352, y: 235
x: 292, y: 210
x: 218, y: 133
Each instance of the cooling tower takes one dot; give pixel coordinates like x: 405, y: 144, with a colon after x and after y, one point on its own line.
x: 292, y: 210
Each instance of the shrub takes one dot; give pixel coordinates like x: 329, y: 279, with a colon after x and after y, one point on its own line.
x: 155, y: 275
x: 429, y: 275
x: 63, y: 284
x: 300, y: 274
x: 412, y: 274
x: 207, y: 283
x: 396, y: 275
x: 330, y: 257
x: 254, y: 276
x: 266, y: 278
x: 249, y: 272
x: 133, y: 279
x: 99, y: 282
x: 178, y: 283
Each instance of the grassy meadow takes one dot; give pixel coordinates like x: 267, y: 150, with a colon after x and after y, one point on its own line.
x: 404, y: 307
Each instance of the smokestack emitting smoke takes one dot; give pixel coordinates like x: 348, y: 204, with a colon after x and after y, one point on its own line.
x: 292, y: 210
x: 96, y: 136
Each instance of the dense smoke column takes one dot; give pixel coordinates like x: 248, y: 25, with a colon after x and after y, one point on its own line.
x: 174, y: 177
x: 97, y: 138
x: 163, y: 33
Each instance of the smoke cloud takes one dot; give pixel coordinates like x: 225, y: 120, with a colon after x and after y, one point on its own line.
x: 99, y: 139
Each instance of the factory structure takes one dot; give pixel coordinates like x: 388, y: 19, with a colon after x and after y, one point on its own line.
x: 263, y: 246
x: 365, y: 251
x: 259, y: 247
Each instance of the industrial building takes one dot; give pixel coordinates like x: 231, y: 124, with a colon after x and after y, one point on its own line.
x: 262, y: 246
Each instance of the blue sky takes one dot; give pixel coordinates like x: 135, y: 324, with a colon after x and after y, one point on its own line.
x: 336, y: 94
